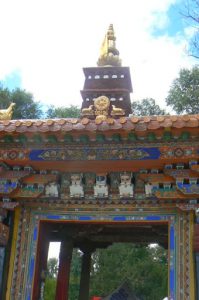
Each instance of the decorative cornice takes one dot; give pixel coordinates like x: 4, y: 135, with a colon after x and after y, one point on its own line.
x: 137, y: 124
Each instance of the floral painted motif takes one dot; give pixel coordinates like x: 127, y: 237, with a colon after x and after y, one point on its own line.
x: 95, y: 153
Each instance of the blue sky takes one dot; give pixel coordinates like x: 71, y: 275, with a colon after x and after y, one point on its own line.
x: 12, y: 80
x: 47, y: 43
x: 176, y: 22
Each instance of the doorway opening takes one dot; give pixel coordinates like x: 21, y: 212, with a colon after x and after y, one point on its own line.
x: 133, y: 251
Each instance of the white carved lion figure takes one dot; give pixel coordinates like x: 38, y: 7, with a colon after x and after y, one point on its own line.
x: 101, y: 187
x: 76, y: 187
x: 126, y: 187
x: 148, y: 189
x: 52, y: 189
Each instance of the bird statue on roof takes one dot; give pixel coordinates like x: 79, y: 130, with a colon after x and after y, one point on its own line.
x: 6, y: 114
x: 109, y: 55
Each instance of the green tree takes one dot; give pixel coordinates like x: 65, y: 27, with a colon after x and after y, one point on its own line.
x: 144, y: 267
x: 50, y: 288
x: 75, y: 272
x: 26, y: 107
x: 63, y: 112
x: 52, y: 268
x: 51, y: 279
x: 146, y: 107
x: 191, y: 13
x: 184, y: 93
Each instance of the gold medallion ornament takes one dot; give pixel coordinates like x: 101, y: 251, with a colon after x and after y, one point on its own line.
x: 101, y: 109
x: 102, y: 105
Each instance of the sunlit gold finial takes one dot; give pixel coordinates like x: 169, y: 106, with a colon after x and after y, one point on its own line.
x: 6, y: 114
x: 109, y: 55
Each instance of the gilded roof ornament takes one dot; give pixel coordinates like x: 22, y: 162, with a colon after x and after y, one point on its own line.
x: 102, y: 105
x: 109, y: 55
x: 6, y: 114
x: 102, y: 109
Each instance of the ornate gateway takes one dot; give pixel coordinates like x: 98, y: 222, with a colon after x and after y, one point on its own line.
x: 108, y: 176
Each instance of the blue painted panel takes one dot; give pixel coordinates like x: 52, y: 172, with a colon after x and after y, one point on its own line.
x: 153, y: 218
x: 172, y: 280
x: 7, y: 187
x: 188, y: 188
x: 172, y: 238
x: 31, y: 269
x: 95, y: 153
x: 119, y: 218
x: 35, y: 233
x: 84, y: 218
x: 53, y: 217
x: 172, y: 274
x: 36, y: 155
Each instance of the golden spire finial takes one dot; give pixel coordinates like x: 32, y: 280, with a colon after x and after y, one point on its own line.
x: 109, y: 55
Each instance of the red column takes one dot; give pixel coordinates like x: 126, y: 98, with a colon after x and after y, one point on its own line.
x: 65, y: 257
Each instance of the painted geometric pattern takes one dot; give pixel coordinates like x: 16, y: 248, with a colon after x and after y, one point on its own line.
x: 96, y: 153
x: 7, y: 188
x: 107, y: 152
x: 188, y: 188
x: 179, y: 243
x: 146, y: 185
x: 20, y: 263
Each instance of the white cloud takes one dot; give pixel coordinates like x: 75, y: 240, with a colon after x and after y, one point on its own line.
x: 50, y: 41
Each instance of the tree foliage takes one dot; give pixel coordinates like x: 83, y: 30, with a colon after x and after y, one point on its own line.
x: 184, y: 92
x: 63, y: 112
x: 147, y: 107
x: 51, y: 279
x: 52, y: 268
x: 50, y: 288
x: 144, y: 267
x: 75, y: 275
x: 26, y: 107
x: 191, y: 13
x: 52, y: 272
